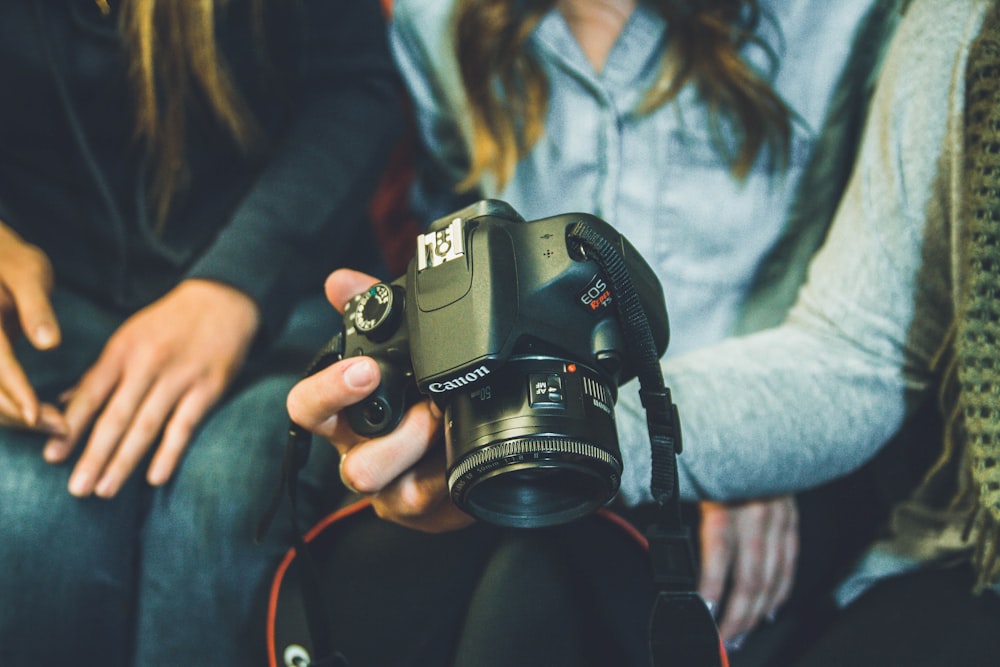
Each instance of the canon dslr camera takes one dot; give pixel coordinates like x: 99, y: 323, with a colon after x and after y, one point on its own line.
x: 513, y: 332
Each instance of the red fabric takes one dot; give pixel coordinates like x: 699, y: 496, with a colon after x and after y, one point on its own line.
x: 394, y: 224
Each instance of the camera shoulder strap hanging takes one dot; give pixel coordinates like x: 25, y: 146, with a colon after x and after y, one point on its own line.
x: 297, y: 447
x: 682, y: 630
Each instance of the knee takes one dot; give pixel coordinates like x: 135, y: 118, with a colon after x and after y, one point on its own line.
x: 230, y: 470
x: 82, y: 547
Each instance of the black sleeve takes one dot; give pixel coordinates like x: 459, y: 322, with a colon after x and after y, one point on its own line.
x: 317, y: 185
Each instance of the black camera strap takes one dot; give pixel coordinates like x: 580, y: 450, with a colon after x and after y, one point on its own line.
x: 297, y: 447
x: 682, y: 630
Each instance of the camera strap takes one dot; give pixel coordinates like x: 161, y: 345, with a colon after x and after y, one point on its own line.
x: 681, y: 628
x: 297, y: 447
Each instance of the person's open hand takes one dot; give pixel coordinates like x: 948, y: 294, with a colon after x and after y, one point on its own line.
x: 157, y: 377
x: 25, y: 284
x: 403, y: 471
x: 749, y: 553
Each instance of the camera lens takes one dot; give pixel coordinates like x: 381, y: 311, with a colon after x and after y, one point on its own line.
x: 535, y: 446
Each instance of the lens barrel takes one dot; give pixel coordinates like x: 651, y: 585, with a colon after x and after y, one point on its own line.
x: 535, y: 445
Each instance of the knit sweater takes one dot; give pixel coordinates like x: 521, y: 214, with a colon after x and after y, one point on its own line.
x: 816, y: 397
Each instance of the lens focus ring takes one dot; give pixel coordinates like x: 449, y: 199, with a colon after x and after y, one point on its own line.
x: 485, y: 459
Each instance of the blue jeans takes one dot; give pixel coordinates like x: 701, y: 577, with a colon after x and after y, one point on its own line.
x: 166, y: 576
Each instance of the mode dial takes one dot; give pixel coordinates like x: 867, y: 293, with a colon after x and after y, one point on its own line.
x: 379, y: 311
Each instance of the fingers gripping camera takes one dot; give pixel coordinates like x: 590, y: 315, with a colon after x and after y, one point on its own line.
x: 510, y: 329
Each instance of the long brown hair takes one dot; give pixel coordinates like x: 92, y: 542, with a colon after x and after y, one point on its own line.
x: 171, y: 49
x: 508, y: 92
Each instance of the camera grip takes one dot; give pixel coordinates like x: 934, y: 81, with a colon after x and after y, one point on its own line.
x: 383, y: 409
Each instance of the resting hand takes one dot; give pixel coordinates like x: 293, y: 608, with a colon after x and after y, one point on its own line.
x: 751, y: 548
x: 157, y: 377
x: 25, y: 283
x: 403, y: 471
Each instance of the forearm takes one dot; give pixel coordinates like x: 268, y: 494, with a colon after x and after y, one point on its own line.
x: 309, y: 200
x: 313, y: 194
x: 801, y: 404
x: 795, y: 411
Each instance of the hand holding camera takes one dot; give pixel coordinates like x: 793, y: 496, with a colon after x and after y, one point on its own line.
x: 511, y: 339
x: 513, y: 333
x: 403, y: 470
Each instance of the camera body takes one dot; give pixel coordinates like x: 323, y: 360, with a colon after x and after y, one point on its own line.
x: 514, y: 334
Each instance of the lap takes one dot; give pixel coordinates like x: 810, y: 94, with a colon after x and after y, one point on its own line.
x: 35, y: 504
x: 202, y: 573
x: 69, y: 561
x: 397, y: 597
x: 68, y: 564
x: 577, y: 595
x: 925, y: 618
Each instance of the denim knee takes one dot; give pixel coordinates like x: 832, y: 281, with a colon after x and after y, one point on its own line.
x: 67, y: 565
x: 202, y: 571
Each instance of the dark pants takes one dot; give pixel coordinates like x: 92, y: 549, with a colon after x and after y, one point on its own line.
x: 577, y: 595
x: 837, y: 522
x: 925, y: 618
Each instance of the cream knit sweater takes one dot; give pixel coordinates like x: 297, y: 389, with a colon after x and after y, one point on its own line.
x: 813, y: 399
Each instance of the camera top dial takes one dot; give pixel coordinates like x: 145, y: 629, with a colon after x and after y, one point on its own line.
x: 378, y: 311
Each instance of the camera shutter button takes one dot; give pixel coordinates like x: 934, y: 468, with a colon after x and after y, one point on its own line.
x: 379, y: 312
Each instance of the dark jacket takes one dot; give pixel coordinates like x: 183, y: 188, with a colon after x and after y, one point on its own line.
x: 73, y: 178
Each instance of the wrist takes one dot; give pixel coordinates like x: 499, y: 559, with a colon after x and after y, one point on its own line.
x: 235, y: 304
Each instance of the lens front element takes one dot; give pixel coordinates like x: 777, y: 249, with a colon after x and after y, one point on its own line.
x: 536, y: 446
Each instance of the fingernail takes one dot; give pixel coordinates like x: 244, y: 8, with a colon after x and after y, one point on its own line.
x: 736, y: 643
x: 106, y: 488
x: 772, y: 616
x: 158, y: 475
x: 52, y: 452
x: 45, y: 336
x: 80, y: 484
x: 30, y: 415
x: 713, y: 608
x: 342, y: 480
x: 360, y: 374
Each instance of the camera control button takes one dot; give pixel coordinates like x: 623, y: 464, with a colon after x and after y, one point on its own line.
x: 546, y: 389
x: 378, y: 312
